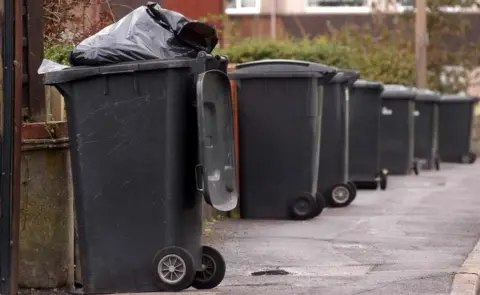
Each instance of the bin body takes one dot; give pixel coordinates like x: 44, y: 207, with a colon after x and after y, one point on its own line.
x: 134, y: 149
x: 334, y: 155
x: 397, y: 129
x: 455, y: 128
x: 365, y: 115
x: 279, y: 113
x: 426, y: 128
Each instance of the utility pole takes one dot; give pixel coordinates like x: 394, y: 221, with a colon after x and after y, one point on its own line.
x: 421, y: 39
x: 273, y: 20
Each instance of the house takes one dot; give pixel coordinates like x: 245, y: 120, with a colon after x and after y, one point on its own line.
x: 300, y: 18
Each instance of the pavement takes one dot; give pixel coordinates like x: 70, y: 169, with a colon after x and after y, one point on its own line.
x: 414, y: 238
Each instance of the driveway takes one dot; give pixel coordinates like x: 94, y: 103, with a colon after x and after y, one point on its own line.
x: 409, y: 239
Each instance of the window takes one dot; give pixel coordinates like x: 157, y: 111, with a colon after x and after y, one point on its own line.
x: 405, y: 5
x: 406, y: 2
x: 243, y: 6
x: 339, y: 6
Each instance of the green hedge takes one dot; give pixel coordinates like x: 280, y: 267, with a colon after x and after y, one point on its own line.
x: 58, y: 53
x: 386, y: 63
x: 316, y: 50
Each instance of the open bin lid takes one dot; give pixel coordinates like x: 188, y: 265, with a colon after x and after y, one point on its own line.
x: 427, y: 95
x: 398, y: 91
x: 216, y: 140
x: 368, y: 84
x: 345, y: 76
x: 282, y: 68
x: 458, y: 98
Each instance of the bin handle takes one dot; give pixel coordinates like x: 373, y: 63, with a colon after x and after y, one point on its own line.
x: 198, y: 168
x: 123, y: 70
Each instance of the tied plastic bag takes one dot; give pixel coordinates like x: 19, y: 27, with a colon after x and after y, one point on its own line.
x: 148, y: 32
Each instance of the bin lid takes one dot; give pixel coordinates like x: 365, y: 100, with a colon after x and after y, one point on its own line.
x: 216, y: 141
x: 282, y: 68
x: 398, y: 91
x: 368, y: 84
x: 83, y: 72
x: 345, y: 76
x: 427, y: 95
x: 458, y: 98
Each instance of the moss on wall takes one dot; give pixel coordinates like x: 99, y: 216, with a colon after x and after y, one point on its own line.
x: 43, y: 219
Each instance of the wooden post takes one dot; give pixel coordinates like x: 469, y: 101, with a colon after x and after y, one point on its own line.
x: 421, y: 39
x: 35, y: 90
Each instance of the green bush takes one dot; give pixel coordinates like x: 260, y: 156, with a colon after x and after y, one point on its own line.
x: 315, y: 50
x: 384, y: 62
x: 58, y: 53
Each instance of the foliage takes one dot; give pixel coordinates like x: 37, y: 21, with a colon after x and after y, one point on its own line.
x: 380, y: 54
x: 374, y: 61
x: 446, y: 29
x: 383, y: 50
x: 314, y: 50
x: 58, y: 53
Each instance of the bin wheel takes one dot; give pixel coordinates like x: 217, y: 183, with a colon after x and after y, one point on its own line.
x: 340, y: 196
x: 437, y: 163
x: 469, y: 158
x: 383, y: 181
x: 353, y: 189
x: 415, y: 168
x: 213, y: 269
x: 303, y: 207
x: 473, y: 158
x: 321, y: 204
x: 174, y: 269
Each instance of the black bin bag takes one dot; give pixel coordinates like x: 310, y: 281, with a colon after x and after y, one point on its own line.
x: 148, y: 32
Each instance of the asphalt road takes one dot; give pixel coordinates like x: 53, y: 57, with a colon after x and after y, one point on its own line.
x: 409, y: 239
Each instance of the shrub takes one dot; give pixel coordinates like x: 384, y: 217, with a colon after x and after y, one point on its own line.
x: 388, y: 64
x: 58, y: 53
x: 315, y: 50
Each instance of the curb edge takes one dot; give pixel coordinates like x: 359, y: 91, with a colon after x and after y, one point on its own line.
x: 467, y: 278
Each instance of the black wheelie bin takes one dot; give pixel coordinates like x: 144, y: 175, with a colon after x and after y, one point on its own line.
x: 148, y: 140
x: 426, y: 129
x: 365, y: 114
x: 397, y: 130
x: 279, y: 117
x: 333, y: 176
x: 455, y: 128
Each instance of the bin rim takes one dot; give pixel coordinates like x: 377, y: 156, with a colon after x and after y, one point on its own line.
x: 459, y: 98
x: 281, y: 68
x: 362, y: 83
x: 83, y: 72
x: 398, y: 91
x: 424, y: 94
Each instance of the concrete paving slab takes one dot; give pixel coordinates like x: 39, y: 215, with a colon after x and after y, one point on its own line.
x: 410, y: 239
